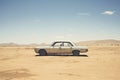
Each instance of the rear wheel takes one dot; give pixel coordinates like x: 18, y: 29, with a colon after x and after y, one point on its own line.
x: 42, y: 53
x: 76, y: 53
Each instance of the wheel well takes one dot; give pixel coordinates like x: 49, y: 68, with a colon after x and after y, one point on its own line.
x: 75, y: 50
x: 42, y: 50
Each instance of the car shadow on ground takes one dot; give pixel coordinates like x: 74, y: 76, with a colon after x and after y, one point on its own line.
x: 81, y: 55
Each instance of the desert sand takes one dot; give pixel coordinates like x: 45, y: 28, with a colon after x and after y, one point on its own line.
x: 21, y: 63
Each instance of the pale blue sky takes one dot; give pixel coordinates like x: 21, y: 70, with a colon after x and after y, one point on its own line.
x: 37, y: 21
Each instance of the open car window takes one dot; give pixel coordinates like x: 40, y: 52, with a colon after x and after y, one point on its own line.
x: 57, y: 44
x: 67, y: 45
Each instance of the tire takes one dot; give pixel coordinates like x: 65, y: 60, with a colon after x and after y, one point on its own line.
x: 76, y: 53
x: 42, y: 53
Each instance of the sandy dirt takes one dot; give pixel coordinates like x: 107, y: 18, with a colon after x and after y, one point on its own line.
x: 100, y: 63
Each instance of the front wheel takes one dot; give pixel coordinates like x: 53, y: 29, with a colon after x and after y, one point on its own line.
x: 76, y: 53
x: 42, y: 53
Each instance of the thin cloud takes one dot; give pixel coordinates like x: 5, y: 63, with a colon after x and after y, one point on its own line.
x: 108, y: 12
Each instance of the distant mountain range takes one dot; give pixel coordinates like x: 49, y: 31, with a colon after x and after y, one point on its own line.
x: 21, y: 45
x: 109, y: 42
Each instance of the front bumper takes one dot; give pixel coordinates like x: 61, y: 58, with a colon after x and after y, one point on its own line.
x: 36, y: 50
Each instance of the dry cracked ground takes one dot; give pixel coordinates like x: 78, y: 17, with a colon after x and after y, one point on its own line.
x: 20, y: 63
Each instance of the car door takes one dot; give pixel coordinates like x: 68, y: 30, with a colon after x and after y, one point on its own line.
x: 56, y: 48
x: 66, y: 48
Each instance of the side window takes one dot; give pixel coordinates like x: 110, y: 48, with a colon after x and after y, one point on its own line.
x: 57, y: 44
x: 67, y: 45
